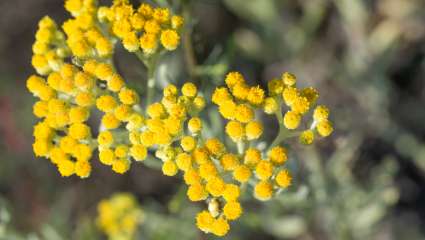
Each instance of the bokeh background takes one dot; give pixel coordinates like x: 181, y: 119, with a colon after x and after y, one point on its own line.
x: 367, y: 181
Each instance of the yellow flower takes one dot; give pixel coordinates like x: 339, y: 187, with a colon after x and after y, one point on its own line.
x: 90, y: 66
x: 54, y: 79
x: 232, y: 210
x: 229, y: 161
x: 321, y: 113
x: 123, y: 112
x: 277, y: 155
x: 83, y: 81
x: 170, y: 90
x: 306, y: 137
x: 138, y: 152
x: 244, y: 113
x: 275, y: 86
x: 324, y: 128
x: 253, y: 130
x: 57, y: 155
x: 106, y: 103
x: 66, y: 168
x: 214, y: 146
x: 131, y: 42
x: 173, y: 125
x: 270, y: 105
x: 169, y: 168
x: 137, y: 21
x: 289, y: 78
x: 103, y: 71
x: 301, y: 105
x: 234, y: 78
x: 115, y: 83
x: 200, y: 155
x: 162, y: 15
x: 67, y: 144
x: 128, y: 96
x: 119, y: 216
x: 40, y: 109
x: 156, y: 110
x: 240, y: 91
x: 78, y: 114
x: 196, y: 192
x: 242, y: 173
x: 107, y: 156
x: 121, y: 165
x: 82, y: 169
x: 103, y: 47
x: 199, y: 103
x: 220, y: 227
x: 191, y: 176
x: 41, y: 148
x: 42, y: 131
x: 148, y: 42
x: 79, y: 131
x: 231, y: 192
x: 109, y: 121
x: 252, y: 157
x: 135, y: 121
x: 184, y: 161
x: 291, y: 120
x: 228, y: 110
x: 235, y: 130
x: 283, y: 179
x: 134, y: 137
x: 152, y: 27
x: 189, y: 90
x: 177, y: 22
x: 207, y: 170
x: 264, y: 170
x: 188, y: 143
x: 146, y: 10
x: 311, y: 94
x: 194, y: 125
x: 204, y: 221
x: 84, y: 99
x: 170, y: 39
x: 216, y: 186
x: 147, y: 138
x: 263, y: 191
x: 121, y: 151
x: 105, y: 139
x: 289, y: 95
x: 82, y: 152
x: 220, y: 96
x: 255, y: 95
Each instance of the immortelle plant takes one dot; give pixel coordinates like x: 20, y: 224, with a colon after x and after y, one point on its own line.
x: 76, y: 77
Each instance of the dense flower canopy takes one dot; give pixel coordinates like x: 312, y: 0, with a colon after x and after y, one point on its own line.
x: 76, y: 77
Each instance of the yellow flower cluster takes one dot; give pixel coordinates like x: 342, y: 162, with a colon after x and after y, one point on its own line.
x: 119, y: 216
x: 299, y: 102
x: 86, y: 38
x: 48, y: 49
x: 213, y: 172
x: 68, y: 93
x: 142, y: 28
x: 237, y: 103
x: 66, y: 99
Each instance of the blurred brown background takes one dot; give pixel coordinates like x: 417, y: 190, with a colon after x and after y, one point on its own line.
x: 367, y: 58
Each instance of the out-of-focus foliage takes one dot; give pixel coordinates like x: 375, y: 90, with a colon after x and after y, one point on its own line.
x: 365, y: 57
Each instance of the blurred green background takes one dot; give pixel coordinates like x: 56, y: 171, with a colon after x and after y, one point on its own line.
x: 367, y: 181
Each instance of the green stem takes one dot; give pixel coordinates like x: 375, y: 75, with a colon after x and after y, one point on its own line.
x: 150, y: 63
x: 241, y: 147
x: 151, y: 82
